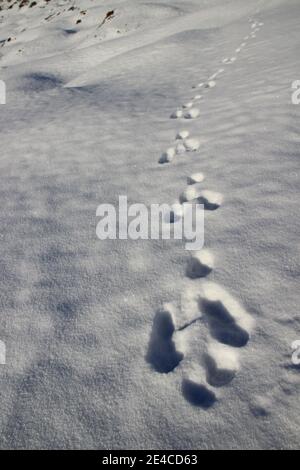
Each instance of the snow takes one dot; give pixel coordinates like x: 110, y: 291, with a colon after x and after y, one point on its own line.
x: 112, y: 344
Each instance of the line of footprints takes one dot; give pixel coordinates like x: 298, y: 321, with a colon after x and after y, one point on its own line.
x: 175, y: 330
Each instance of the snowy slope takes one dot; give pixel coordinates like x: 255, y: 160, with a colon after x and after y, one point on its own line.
x: 130, y: 344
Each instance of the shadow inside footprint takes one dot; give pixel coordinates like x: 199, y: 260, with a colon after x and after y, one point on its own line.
x: 162, y: 354
x: 222, y: 325
x: 208, y: 205
x: 197, y: 394
x: 215, y: 376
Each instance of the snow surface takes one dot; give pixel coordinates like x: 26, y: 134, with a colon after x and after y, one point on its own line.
x: 113, y: 344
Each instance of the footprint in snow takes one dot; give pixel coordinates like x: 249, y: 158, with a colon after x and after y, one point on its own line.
x: 197, y: 394
x: 211, y: 84
x: 192, y: 113
x: 195, y: 178
x: 188, y: 105
x: 168, y: 155
x: 162, y: 353
x: 200, y: 264
x: 210, y: 199
x: 191, y: 145
x: 182, y: 135
x: 189, y: 112
x: 228, y: 328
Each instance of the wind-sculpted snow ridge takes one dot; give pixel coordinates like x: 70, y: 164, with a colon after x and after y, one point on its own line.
x: 139, y: 343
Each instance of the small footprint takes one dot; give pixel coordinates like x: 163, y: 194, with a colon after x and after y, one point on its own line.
x: 188, y: 105
x: 195, y: 178
x: 200, y: 264
x: 211, y: 84
x: 198, y: 394
x: 229, y: 327
x: 182, y: 135
x: 210, y: 199
x: 192, y: 145
x: 177, y: 114
x: 168, y: 155
x: 180, y: 148
x: 192, y: 113
x: 221, y: 364
x: 190, y: 193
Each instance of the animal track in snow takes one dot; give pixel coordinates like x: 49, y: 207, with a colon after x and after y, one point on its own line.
x: 210, y: 199
x: 182, y: 135
x: 228, y: 326
x: 177, y: 114
x: 211, y: 84
x: 200, y: 264
x: 162, y: 353
x: 190, y: 193
x: 168, y: 155
x: 192, y: 113
x: 180, y: 148
x: 197, y: 394
x: 228, y: 322
x: 191, y: 145
x: 229, y: 61
x: 221, y: 364
x: 188, y: 105
x: 195, y: 178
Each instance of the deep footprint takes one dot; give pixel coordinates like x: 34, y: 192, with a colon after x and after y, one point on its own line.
x: 197, y: 394
x: 221, y: 364
x: 222, y: 325
x: 162, y: 354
